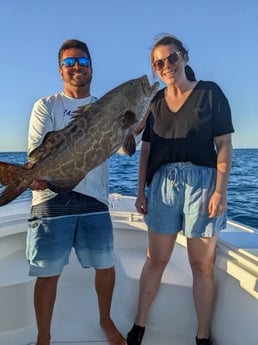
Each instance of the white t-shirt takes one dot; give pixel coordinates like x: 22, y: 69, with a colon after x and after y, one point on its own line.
x: 53, y: 113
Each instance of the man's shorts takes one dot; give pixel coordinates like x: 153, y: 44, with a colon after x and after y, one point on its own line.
x: 67, y: 221
x: 177, y: 199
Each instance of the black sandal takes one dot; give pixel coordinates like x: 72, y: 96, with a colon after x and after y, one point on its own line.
x: 134, y: 337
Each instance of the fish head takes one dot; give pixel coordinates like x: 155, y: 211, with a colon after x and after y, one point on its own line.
x: 138, y: 94
x: 132, y: 104
x: 131, y: 101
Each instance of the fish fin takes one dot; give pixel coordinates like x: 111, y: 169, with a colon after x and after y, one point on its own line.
x: 82, y: 109
x: 12, y: 177
x: 55, y: 139
x: 129, y: 145
x: 61, y: 186
x: 128, y: 119
x: 51, y: 139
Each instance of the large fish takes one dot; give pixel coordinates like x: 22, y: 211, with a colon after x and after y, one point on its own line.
x: 96, y: 132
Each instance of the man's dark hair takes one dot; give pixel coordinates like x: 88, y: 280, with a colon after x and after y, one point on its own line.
x: 70, y: 44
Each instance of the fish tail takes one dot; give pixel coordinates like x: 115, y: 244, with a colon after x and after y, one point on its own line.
x: 13, y: 178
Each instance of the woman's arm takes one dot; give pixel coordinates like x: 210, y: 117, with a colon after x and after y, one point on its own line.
x: 218, y: 200
x: 140, y: 203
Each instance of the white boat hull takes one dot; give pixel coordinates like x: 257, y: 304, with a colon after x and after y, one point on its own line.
x: 172, y: 317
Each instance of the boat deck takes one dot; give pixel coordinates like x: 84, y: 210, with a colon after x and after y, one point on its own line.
x: 75, y: 319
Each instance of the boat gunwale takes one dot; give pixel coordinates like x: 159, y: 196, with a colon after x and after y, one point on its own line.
x: 226, y: 252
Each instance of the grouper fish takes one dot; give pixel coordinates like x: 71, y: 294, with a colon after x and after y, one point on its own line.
x: 96, y: 132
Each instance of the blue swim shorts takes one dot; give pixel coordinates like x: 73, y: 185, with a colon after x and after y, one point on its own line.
x: 67, y: 221
x: 177, y: 199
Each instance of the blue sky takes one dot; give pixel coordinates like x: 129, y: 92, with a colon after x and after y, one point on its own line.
x: 221, y: 37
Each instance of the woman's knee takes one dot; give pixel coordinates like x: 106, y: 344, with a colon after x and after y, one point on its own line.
x: 158, y: 262
x: 203, y: 269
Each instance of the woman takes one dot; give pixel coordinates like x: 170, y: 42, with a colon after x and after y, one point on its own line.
x: 185, y: 162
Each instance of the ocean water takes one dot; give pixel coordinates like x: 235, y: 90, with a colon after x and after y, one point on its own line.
x: 242, y: 188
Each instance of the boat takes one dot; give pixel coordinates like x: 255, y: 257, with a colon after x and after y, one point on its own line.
x: 171, y: 319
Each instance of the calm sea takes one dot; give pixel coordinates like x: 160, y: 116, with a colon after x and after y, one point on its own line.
x: 242, y: 189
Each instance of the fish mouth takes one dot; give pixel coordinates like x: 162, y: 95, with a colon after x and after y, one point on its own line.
x: 148, y: 89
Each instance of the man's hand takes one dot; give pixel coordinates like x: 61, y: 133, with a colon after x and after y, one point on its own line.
x: 36, y: 184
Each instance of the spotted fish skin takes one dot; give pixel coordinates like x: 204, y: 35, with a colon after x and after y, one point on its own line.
x: 96, y: 132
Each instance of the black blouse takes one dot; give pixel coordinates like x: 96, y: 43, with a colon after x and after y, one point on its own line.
x: 188, y: 134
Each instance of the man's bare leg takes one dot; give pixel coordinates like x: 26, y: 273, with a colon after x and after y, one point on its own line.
x: 44, y: 300
x: 104, y: 284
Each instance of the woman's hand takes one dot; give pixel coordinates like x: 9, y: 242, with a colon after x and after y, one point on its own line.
x: 141, y: 204
x: 217, y: 204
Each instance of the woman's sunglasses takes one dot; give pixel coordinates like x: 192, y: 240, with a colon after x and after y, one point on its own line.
x: 71, y: 61
x: 172, y: 58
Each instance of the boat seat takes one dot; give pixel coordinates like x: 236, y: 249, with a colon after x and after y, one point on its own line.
x: 16, y: 292
x: 132, y: 261
x: 176, y: 281
x: 14, y: 269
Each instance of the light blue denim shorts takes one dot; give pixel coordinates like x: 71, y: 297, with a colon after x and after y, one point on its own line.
x: 69, y: 220
x: 177, y: 200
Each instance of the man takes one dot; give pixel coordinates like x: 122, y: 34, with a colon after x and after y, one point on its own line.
x: 71, y: 216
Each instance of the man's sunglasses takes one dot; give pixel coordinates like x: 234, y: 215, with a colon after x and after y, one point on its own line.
x: 71, y: 61
x: 172, y: 58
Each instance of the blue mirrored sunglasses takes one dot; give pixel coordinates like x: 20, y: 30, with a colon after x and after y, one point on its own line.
x: 71, y: 61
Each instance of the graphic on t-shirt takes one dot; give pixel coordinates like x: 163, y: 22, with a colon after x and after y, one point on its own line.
x: 68, y: 114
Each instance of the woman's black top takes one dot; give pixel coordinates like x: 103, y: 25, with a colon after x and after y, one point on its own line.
x: 188, y: 134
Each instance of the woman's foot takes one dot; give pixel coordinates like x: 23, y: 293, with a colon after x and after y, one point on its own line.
x: 134, y: 337
x: 203, y: 341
